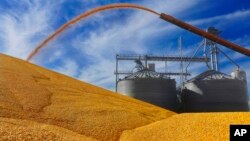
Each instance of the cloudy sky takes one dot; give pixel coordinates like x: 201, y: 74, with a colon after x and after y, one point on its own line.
x: 86, y: 51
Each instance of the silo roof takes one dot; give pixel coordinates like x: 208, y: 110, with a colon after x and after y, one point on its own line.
x: 210, y: 75
x: 146, y: 73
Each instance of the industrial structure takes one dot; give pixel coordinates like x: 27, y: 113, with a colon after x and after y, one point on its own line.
x: 210, y: 91
x: 145, y: 83
x: 213, y: 91
x: 151, y: 87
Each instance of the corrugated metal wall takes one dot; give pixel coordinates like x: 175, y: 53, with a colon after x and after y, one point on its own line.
x: 215, y: 95
x: 157, y: 91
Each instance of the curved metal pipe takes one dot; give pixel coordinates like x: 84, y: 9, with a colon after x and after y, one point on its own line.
x: 205, y: 34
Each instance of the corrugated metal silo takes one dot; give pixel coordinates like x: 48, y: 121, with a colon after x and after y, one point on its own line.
x: 151, y: 87
x: 213, y: 91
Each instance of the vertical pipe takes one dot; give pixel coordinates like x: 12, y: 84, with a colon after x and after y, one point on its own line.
x: 166, y: 66
x: 116, y: 73
x: 216, y: 57
x: 165, y: 63
x: 181, y: 65
x: 212, y: 57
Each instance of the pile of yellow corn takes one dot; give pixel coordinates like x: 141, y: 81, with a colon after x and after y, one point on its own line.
x: 37, y: 94
x: 38, y: 104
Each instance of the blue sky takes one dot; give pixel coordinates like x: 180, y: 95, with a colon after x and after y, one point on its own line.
x: 86, y: 51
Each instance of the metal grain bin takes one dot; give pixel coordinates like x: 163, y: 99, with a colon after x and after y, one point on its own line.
x: 150, y: 87
x: 215, y: 92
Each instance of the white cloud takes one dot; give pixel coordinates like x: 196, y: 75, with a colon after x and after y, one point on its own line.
x: 69, y: 67
x: 100, y: 74
x: 223, y: 18
x: 23, y: 28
